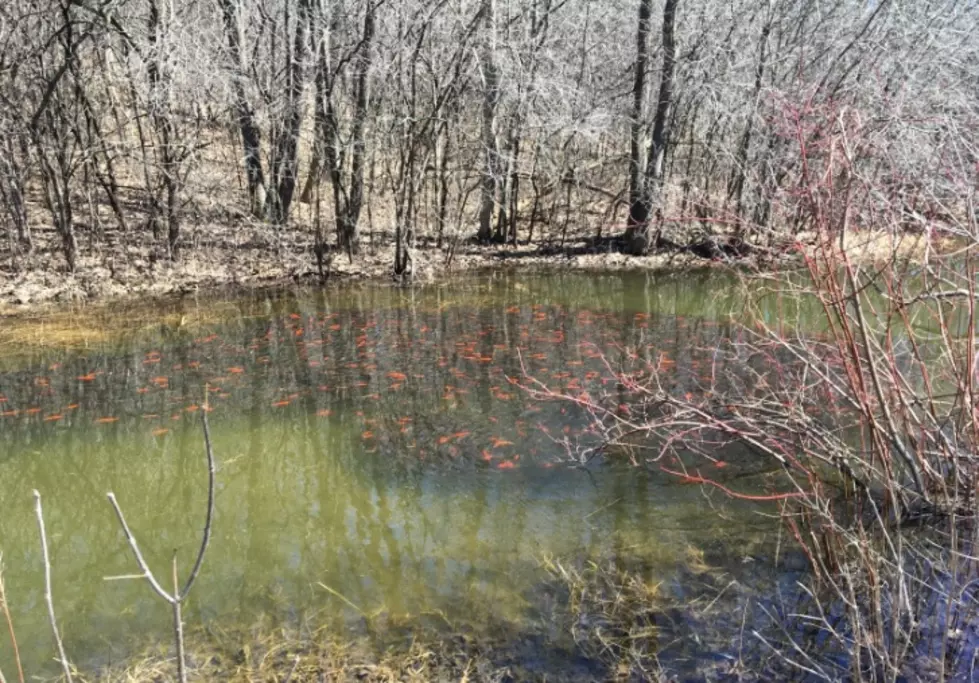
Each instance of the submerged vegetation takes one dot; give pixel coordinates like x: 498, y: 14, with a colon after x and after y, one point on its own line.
x: 602, y: 623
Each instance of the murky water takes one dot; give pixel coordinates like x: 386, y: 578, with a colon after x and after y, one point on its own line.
x: 371, y: 445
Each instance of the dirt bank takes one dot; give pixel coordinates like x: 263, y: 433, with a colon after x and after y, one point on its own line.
x: 257, y: 256
x: 253, y: 256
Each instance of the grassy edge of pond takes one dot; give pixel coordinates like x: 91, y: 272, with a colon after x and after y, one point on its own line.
x: 603, y: 625
x: 45, y: 285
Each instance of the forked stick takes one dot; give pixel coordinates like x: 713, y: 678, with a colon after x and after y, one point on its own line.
x: 177, y: 596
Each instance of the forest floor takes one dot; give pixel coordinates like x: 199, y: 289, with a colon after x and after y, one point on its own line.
x: 216, y: 259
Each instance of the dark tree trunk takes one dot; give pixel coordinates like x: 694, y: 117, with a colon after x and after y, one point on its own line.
x: 348, y: 187
x: 636, y: 150
x: 54, y: 134
x: 250, y: 136
x: 163, y: 121
x: 349, y: 239
x: 639, y: 239
x: 13, y: 184
x: 285, y: 154
x: 740, y: 171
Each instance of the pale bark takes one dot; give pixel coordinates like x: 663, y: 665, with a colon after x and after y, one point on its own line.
x: 491, y: 97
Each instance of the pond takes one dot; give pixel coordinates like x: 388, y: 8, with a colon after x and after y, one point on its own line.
x: 377, y: 455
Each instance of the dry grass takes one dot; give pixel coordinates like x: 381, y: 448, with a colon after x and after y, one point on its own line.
x: 613, y: 615
x: 604, y: 614
x: 283, y: 655
x: 882, y: 246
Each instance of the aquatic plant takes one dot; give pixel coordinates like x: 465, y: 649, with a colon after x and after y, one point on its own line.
x: 614, y: 615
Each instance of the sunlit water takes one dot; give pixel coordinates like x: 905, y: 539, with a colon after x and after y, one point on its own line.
x: 376, y: 456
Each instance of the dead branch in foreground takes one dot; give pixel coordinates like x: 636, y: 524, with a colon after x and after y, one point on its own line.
x: 178, y: 595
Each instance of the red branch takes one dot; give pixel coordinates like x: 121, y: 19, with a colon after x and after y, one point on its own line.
x: 697, y: 479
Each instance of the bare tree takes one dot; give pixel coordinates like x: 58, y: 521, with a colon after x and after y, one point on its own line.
x: 649, y: 187
x: 538, y: 113
x: 332, y: 149
x: 250, y: 134
x: 162, y: 117
x: 491, y: 97
x: 284, y: 162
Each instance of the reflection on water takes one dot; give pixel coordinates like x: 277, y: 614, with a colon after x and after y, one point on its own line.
x: 371, y: 440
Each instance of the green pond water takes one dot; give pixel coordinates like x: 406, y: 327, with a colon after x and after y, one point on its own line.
x: 368, y: 439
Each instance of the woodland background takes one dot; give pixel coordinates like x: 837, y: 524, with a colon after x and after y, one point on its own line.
x: 134, y: 130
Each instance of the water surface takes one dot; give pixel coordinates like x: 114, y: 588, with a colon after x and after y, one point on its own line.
x: 373, y: 443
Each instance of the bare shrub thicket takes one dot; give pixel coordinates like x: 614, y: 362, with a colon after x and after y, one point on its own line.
x: 869, y: 413
x: 134, y: 121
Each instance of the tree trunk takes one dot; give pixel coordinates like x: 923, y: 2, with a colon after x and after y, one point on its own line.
x: 348, y: 199
x: 442, y: 152
x: 639, y: 239
x: 349, y: 239
x: 491, y: 98
x: 740, y: 171
x: 162, y: 118
x: 13, y: 184
x: 250, y: 137
x: 284, y: 164
x: 638, y: 100
x: 55, y: 182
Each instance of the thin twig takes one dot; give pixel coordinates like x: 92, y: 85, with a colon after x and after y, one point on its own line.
x: 206, y: 538
x: 178, y: 625
x: 123, y: 577
x: 147, y: 572
x: 66, y: 667
x: 10, y: 626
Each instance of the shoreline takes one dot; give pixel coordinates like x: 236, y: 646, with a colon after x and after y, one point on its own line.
x: 218, y: 272
x: 258, y: 261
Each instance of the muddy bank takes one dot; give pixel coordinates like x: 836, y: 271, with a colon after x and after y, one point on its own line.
x: 219, y: 259
x: 256, y: 256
